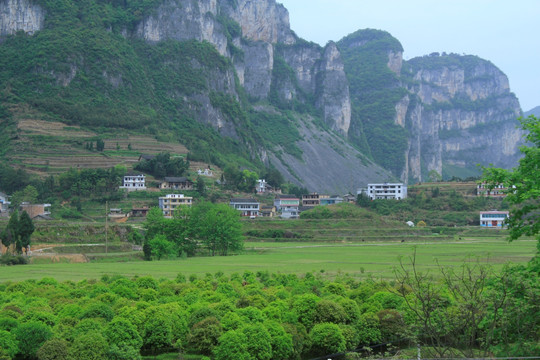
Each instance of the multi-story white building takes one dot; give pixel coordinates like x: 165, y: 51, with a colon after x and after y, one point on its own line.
x: 4, y: 203
x: 132, y: 182
x: 171, y: 202
x: 493, y: 219
x: 288, y: 206
x: 396, y: 191
x: 483, y: 189
x: 247, y: 207
x: 261, y: 186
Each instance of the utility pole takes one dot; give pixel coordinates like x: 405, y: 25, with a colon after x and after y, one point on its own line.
x: 106, y: 227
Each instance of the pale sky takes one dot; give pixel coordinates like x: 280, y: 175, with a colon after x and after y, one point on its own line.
x: 505, y: 32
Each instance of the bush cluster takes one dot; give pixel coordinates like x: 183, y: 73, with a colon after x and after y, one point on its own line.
x: 248, y: 316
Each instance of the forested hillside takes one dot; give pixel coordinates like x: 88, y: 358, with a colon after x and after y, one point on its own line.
x: 205, y: 75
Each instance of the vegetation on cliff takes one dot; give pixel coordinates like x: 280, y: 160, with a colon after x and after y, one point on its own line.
x: 375, y: 91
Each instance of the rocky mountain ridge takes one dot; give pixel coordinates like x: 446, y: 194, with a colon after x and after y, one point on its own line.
x: 438, y: 113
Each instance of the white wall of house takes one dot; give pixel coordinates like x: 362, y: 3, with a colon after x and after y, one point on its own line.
x: 396, y: 191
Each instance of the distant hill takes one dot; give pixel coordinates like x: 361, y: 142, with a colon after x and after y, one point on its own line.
x: 535, y: 111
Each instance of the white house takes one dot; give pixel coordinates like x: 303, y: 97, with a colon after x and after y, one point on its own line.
x: 493, y: 219
x: 133, y: 182
x: 170, y: 202
x: 247, y: 207
x: 4, y: 203
x: 261, y: 186
x: 396, y: 191
x: 288, y: 206
x: 498, y: 190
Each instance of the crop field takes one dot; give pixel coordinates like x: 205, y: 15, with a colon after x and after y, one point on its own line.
x: 53, y: 147
x: 361, y: 260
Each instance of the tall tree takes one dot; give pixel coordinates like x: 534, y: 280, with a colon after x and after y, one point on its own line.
x: 201, y: 186
x: 218, y: 226
x: 100, y: 145
x: 522, y: 184
x: 26, y: 229
x: 10, y: 235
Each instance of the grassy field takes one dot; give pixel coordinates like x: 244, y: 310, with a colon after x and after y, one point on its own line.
x: 361, y: 260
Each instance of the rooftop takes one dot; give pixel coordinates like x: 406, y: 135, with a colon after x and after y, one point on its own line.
x: 243, y: 200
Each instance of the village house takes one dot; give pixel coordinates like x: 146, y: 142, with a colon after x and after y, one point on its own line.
x: 139, y: 212
x: 349, y: 198
x: 385, y: 191
x: 171, y: 202
x: 313, y: 199
x: 498, y: 191
x: 176, y: 183
x: 4, y: 204
x: 268, y: 211
x: 288, y: 205
x: 134, y: 182
x: 116, y: 213
x: 36, y: 210
x: 247, y: 207
x: 493, y: 218
x: 332, y: 200
x: 261, y: 186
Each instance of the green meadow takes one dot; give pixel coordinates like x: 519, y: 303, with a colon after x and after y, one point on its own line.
x: 361, y: 260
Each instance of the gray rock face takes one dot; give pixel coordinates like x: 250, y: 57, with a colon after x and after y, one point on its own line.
x: 466, y: 115
x: 20, y: 15
x: 264, y: 24
x: 261, y: 20
x: 333, y: 90
x: 256, y: 69
x: 185, y: 20
x: 328, y: 164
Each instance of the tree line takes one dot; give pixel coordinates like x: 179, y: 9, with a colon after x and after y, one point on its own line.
x: 468, y: 311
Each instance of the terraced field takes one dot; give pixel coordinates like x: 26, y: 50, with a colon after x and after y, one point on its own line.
x: 53, y: 147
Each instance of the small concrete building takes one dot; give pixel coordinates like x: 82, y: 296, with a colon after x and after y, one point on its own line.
x: 4, y: 203
x: 493, y: 218
x: 171, y: 202
x: 313, y: 199
x: 268, y: 211
x: 139, y: 212
x: 247, y: 207
x: 176, y: 183
x: 332, y: 200
x: 483, y: 189
x: 385, y: 191
x: 36, y: 210
x: 134, y: 182
x: 288, y: 205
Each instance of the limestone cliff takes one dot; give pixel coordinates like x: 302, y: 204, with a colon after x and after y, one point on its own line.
x: 264, y: 27
x: 20, y: 15
x: 462, y: 114
x: 331, y: 116
x: 443, y: 113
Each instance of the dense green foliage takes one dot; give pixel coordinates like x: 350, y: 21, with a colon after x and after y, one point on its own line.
x: 163, y: 165
x: 522, y: 184
x: 436, y: 61
x: 269, y: 316
x: 78, y: 71
x: 278, y: 129
x: 215, y: 227
x: 374, y: 92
